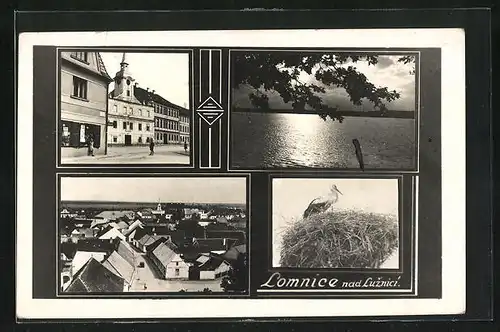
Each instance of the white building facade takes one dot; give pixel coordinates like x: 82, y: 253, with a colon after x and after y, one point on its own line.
x: 130, y: 121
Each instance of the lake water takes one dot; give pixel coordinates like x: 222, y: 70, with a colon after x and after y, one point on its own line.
x: 262, y: 140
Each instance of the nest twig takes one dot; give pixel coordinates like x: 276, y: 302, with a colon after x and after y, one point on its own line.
x: 340, y: 239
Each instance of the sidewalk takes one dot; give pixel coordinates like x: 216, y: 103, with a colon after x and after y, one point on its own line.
x: 164, y: 154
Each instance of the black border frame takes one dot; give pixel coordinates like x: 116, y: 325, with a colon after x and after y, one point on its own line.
x: 153, y: 295
x: 132, y: 49
x: 477, y: 25
x: 346, y: 50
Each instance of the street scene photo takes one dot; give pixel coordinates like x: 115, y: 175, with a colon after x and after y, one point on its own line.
x: 153, y: 234
x: 335, y: 223
x: 298, y: 109
x: 125, y: 108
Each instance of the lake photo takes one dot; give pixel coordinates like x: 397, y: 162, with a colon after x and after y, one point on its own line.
x: 328, y: 110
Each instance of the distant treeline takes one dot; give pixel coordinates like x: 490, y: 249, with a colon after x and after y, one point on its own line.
x: 138, y: 205
x: 367, y: 114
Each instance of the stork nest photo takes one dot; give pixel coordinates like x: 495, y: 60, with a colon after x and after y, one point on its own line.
x: 340, y: 239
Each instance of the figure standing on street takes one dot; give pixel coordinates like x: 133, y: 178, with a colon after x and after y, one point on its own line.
x: 90, y: 151
x: 185, y: 146
x: 151, y: 147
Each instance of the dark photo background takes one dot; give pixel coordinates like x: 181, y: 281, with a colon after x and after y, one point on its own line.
x: 45, y: 173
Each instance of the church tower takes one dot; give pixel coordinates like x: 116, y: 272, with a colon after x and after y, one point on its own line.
x: 124, y: 82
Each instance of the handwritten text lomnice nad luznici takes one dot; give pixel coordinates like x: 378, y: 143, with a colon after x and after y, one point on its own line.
x: 277, y: 281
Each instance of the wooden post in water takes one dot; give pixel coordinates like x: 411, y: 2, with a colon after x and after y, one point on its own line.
x: 359, y: 153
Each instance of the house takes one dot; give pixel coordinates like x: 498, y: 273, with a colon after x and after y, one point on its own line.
x: 83, y: 104
x: 207, y: 246
x: 222, y: 220
x: 206, y: 222
x: 121, y: 267
x: 213, y: 268
x: 234, y: 253
x: 188, y: 213
x: 146, y: 216
x: 146, y: 241
x: 169, y: 262
x: 82, y: 233
x: 159, y: 210
x: 226, y: 234
x: 99, y: 222
x: 131, y: 120
x: 65, y: 213
x: 93, y: 277
x: 115, y: 215
x: 81, y: 258
x: 171, y: 122
x: 110, y: 232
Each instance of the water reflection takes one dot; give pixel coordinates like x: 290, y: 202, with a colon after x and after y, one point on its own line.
x: 302, y: 140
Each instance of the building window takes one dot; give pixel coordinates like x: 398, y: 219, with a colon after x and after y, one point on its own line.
x: 147, y: 127
x: 124, y: 125
x: 79, y: 87
x: 176, y: 263
x: 139, y: 140
x: 140, y: 112
x: 131, y: 111
x: 148, y: 114
x: 147, y: 139
x: 74, y: 134
x: 115, y: 139
x: 82, y: 56
x: 115, y: 124
x: 177, y: 272
x: 124, y: 109
x: 140, y: 126
x: 115, y: 108
x: 131, y: 126
x: 128, y: 93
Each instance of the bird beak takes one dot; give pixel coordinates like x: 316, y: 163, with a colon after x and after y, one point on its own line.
x: 340, y: 192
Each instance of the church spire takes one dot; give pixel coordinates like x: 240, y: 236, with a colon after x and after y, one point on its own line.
x: 124, y: 59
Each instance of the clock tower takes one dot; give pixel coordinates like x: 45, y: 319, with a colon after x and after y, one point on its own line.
x: 124, y: 83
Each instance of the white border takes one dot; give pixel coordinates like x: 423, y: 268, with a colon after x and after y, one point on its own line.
x: 452, y: 44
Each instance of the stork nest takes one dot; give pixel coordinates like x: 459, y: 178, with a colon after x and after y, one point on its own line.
x: 340, y: 239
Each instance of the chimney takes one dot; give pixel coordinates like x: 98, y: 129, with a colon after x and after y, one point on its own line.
x: 153, y: 91
x: 136, y: 84
x: 147, y: 89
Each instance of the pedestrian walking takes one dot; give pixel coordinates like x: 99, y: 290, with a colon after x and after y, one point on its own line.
x: 151, y: 147
x: 185, y: 146
x: 90, y: 150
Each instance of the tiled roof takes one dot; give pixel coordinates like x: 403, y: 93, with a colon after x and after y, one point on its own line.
x: 143, y: 96
x: 113, y: 215
x: 164, y: 253
x: 116, y: 262
x: 126, y: 252
x: 212, y: 264
x: 101, y: 67
x: 93, y: 277
x: 233, y: 253
x: 231, y: 234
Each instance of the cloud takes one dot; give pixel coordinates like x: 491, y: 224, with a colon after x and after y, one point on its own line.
x: 385, y: 61
x: 387, y: 73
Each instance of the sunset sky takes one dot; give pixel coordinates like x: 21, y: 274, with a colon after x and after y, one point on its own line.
x: 388, y: 72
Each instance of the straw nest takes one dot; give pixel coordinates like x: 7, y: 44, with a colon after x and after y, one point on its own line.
x: 340, y: 239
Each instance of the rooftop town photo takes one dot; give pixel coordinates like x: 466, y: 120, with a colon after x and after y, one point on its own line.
x: 165, y: 246
x: 111, y: 118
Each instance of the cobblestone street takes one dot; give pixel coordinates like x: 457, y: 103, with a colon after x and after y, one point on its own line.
x: 163, y: 154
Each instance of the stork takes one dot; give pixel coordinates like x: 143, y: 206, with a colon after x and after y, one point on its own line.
x: 323, y: 203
